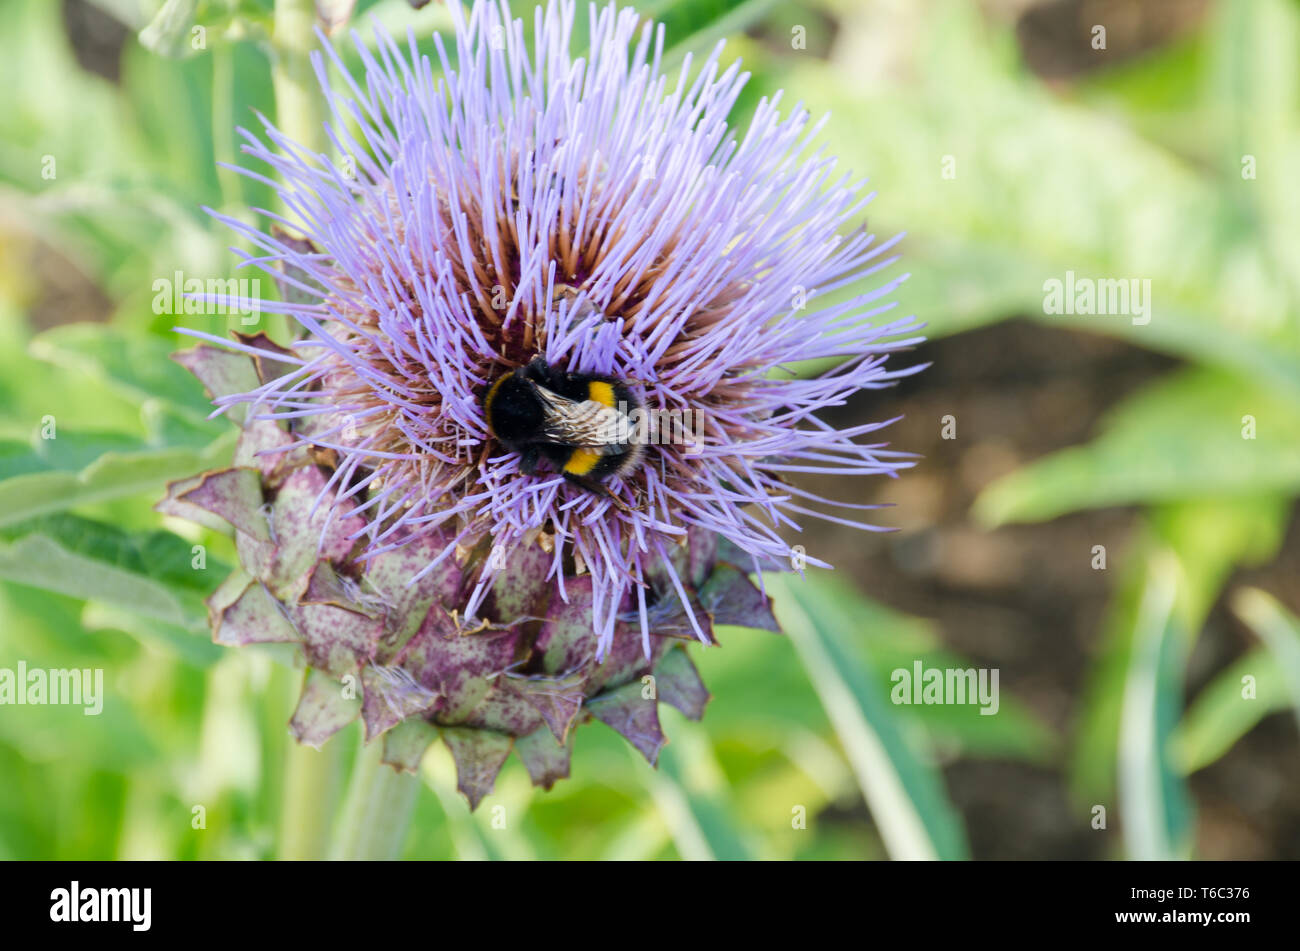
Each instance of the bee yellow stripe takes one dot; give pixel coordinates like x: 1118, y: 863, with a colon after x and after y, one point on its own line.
x: 487, y: 403
x: 581, y: 462
x: 602, y: 393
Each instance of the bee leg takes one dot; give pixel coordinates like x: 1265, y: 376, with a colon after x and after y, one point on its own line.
x: 528, y: 460
x: 596, y: 488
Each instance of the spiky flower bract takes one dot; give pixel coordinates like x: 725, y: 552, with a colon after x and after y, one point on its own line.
x: 521, y: 202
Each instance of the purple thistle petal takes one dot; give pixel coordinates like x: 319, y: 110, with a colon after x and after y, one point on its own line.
x: 592, y: 211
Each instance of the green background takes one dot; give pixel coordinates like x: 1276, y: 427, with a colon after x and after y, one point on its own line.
x: 1011, y: 149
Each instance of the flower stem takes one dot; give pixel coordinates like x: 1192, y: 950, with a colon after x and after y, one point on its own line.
x: 223, y: 124
x: 380, y: 800
x: 379, y: 806
x: 312, y: 778
x: 299, y: 109
x: 312, y: 783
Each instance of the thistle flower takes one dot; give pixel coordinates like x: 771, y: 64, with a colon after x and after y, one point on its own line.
x: 523, y: 204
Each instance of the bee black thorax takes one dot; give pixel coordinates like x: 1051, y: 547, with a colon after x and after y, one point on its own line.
x: 586, y: 426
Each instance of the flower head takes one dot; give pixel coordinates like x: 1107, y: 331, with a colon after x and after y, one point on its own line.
x: 522, y: 203
x: 604, y: 216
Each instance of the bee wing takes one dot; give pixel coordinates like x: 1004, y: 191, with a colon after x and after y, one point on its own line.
x: 587, y: 424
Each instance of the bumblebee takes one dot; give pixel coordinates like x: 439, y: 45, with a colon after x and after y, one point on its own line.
x: 588, y: 427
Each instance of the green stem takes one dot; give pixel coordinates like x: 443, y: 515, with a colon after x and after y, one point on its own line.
x: 299, y: 106
x: 299, y: 109
x: 311, y: 784
x: 223, y: 123
x: 378, y: 813
x: 380, y: 800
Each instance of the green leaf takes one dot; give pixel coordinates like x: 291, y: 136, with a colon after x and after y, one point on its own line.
x: 902, y: 789
x: 1221, y: 714
x: 53, y: 106
x: 74, y: 451
x: 137, y: 366
x: 472, y: 836
x: 1155, y: 807
x: 1195, y: 433
x: 168, y: 33
x: 46, y: 479
x: 99, y: 617
x: 1280, y: 632
x: 150, y: 574
x: 1210, y: 538
x: 982, y: 182
x: 697, y: 25
x: 1254, y: 92
x: 898, y: 641
x: 114, y: 740
x: 1013, y: 733
x: 1153, y: 93
x: 693, y: 798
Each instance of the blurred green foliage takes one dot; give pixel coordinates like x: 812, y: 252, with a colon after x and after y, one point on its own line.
x: 1135, y: 172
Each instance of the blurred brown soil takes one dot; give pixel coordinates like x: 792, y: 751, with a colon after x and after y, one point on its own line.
x: 1024, y: 598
